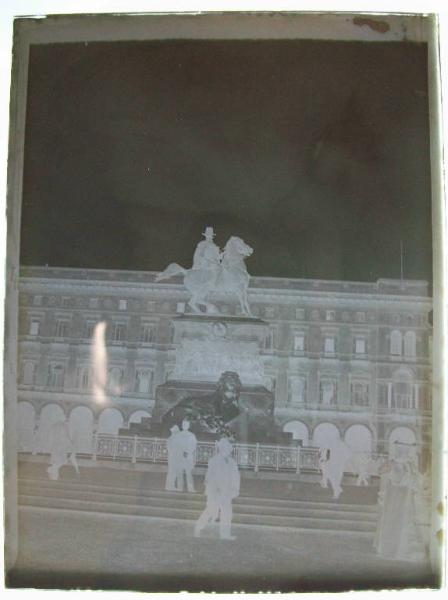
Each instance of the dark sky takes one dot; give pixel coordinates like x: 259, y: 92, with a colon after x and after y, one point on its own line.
x: 315, y: 153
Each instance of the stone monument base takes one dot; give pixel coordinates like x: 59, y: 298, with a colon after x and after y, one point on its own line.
x: 254, y: 424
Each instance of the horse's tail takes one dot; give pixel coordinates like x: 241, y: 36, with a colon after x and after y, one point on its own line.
x: 171, y: 270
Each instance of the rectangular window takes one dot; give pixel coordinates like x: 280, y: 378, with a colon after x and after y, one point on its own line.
x: 56, y: 376
x: 146, y: 333
x: 119, y: 332
x: 296, y: 390
x: 85, y: 376
x: 151, y: 306
x: 61, y: 328
x: 329, y: 345
x: 360, y: 346
x: 89, y: 329
x: 65, y: 302
x: 122, y: 304
x: 328, y: 393
x: 360, y: 394
x: 143, y: 381
x: 299, y: 342
x: 37, y: 301
x: 300, y: 314
x: 361, y: 317
x: 28, y: 373
x: 34, y: 327
x: 330, y: 315
x: 93, y: 302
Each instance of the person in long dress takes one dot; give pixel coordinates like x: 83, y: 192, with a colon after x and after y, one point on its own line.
x: 186, y: 443
x: 397, y: 535
x: 173, y: 476
x: 222, y: 485
x: 61, y: 449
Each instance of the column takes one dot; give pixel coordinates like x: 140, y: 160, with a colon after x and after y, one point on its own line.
x: 389, y: 395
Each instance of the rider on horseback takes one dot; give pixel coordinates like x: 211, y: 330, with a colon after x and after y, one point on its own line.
x: 214, y: 271
x: 208, y: 255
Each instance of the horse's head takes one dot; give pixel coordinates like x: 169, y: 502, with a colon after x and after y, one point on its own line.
x: 235, y: 245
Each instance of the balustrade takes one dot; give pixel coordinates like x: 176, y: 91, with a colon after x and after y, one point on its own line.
x: 254, y: 457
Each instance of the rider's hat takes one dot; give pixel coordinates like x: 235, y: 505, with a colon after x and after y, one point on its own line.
x: 209, y: 232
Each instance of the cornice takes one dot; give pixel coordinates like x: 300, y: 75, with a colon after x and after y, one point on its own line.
x: 269, y: 295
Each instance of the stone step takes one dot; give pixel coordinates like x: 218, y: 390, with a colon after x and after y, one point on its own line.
x: 194, y: 502
x: 37, y: 484
x: 264, y: 484
x: 306, y: 523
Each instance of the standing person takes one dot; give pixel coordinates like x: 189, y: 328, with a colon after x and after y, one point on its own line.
x: 222, y: 485
x: 185, y: 443
x: 324, y: 456
x: 61, y: 447
x: 335, y: 465
x: 173, y: 476
x: 397, y: 536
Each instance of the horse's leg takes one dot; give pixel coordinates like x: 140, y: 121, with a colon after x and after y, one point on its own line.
x: 246, y: 303
x: 193, y: 304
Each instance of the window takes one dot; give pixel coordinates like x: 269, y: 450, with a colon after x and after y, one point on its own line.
x: 360, y: 317
x: 143, y: 381
x: 180, y: 307
x: 115, y: 380
x: 360, y: 345
x: 395, y: 343
x: 315, y: 315
x: 151, y: 306
x: 329, y: 345
x: 28, y: 373
x: 37, y: 300
x: 146, y: 333
x: 66, y: 302
x: 122, y: 304
x: 56, y: 376
x: 328, y: 393
x: 34, y: 327
x: 410, y: 344
x: 425, y: 399
x: 93, y: 302
x: 119, y: 332
x: 360, y: 393
x: 402, y: 395
x: 300, y: 314
x: 61, y: 328
x: 299, y: 342
x: 296, y: 389
x: 89, y: 329
x: 85, y: 377
x: 330, y: 315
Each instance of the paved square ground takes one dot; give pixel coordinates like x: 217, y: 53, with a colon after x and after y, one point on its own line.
x: 59, y: 548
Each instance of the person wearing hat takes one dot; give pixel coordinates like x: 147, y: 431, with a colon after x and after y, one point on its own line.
x: 207, y: 255
x: 222, y: 485
x: 173, y: 476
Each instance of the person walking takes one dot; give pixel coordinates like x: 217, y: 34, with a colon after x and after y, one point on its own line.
x: 222, y: 485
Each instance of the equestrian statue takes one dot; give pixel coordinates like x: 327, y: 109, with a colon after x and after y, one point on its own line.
x: 214, y: 271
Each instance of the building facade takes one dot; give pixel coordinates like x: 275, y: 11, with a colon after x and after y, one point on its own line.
x: 344, y: 359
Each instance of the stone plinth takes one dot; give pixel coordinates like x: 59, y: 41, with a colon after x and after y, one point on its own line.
x: 207, y: 346
x: 255, y: 423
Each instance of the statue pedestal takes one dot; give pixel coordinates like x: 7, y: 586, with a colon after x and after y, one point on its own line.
x: 209, y: 345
